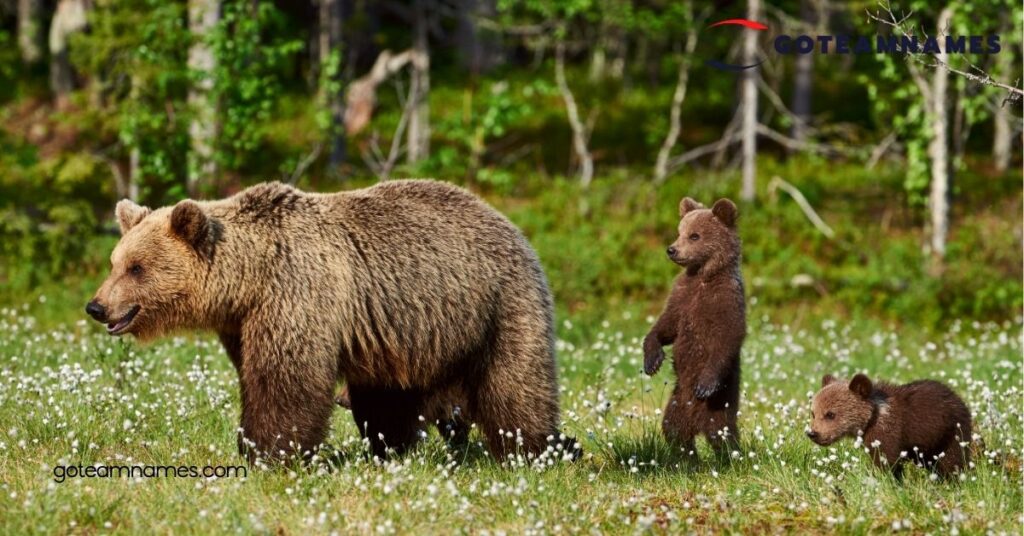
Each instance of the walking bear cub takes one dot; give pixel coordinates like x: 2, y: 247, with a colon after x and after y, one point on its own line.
x: 705, y: 322
x: 413, y: 292
x: 922, y: 421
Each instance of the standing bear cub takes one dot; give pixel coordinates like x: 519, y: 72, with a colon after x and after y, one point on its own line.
x: 705, y: 322
x: 922, y: 421
x: 410, y: 291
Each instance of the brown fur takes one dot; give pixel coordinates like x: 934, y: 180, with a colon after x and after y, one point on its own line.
x: 922, y: 421
x: 406, y: 289
x: 705, y: 322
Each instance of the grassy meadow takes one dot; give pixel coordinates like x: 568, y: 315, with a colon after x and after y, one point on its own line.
x: 71, y: 395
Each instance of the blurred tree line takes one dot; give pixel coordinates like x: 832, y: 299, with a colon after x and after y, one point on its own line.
x: 156, y: 100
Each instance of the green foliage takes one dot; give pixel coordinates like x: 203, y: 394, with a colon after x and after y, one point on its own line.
x: 486, y: 115
x: 136, y: 50
x: 47, y: 223
x: 897, y: 100
x: 250, y: 55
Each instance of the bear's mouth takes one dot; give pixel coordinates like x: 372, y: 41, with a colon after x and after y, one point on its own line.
x: 119, y: 327
x: 820, y: 441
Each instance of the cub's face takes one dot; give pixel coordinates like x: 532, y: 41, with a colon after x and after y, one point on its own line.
x: 153, y: 275
x: 840, y: 409
x: 705, y: 235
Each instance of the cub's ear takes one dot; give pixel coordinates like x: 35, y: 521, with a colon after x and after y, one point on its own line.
x: 129, y: 214
x: 827, y: 380
x: 687, y: 205
x: 193, y: 226
x: 725, y: 211
x: 861, y: 385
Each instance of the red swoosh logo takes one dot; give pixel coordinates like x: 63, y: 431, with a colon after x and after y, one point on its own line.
x: 753, y: 25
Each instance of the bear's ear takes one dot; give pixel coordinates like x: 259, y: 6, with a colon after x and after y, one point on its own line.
x: 193, y: 226
x: 725, y: 211
x: 129, y: 214
x: 861, y: 385
x: 688, y: 205
x: 827, y: 380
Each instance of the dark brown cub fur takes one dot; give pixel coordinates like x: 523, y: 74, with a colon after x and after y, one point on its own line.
x: 923, y: 421
x: 705, y: 322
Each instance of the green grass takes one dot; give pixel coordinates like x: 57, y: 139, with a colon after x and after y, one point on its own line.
x: 71, y: 395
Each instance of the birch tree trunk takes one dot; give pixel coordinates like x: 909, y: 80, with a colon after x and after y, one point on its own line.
x: 330, y: 42
x: 749, y: 106
x: 30, y: 30
x: 1002, y: 138
x: 579, y: 130
x: 938, y: 149
x: 203, y: 16
x: 675, y: 113
x: 69, y: 16
x: 419, y: 123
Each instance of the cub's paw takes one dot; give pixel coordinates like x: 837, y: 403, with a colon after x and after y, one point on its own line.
x: 654, y: 355
x: 704, y: 391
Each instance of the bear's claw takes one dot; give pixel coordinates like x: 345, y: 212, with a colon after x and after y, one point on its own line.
x: 703, y: 392
x: 653, y: 360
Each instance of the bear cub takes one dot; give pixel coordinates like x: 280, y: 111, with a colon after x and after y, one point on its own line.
x: 924, y: 422
x: 705, y: 322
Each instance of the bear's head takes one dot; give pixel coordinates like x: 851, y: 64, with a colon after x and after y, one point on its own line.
x: 707, y: 237
x: 157, y: 269
x: 841, y: 409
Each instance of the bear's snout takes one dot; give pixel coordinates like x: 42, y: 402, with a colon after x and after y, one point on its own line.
x: 96, y: 310
x: 671, y: 252
x: 812, y: 434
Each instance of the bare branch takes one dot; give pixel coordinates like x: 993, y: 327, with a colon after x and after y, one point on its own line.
x: 897, y: 24
x: 805, y: 206
x: 306, y: 161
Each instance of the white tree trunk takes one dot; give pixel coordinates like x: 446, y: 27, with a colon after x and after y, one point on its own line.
x: 203, y: 16
x: 419, y: 122
x: 749, y: 106
x: 1003, y: 135
x: 69, y: 16
x: 938, y: 148
x: 675, y: 114
x: 30, y: 30
x: 579, y: 130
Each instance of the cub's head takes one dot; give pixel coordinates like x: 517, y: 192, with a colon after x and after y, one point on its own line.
x: 707, y: 238
x: 156, y: 269
x: 840, y: 409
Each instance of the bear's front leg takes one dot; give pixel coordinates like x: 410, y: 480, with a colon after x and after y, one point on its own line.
x: 885, y: 456
x: 287, y: 396
x: 662, y: 333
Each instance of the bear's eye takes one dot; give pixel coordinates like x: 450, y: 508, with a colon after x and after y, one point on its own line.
x: 135, y: 269
x: 829, y: 416
x: 695, y: 237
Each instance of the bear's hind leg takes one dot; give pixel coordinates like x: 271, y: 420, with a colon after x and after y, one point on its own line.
x: 516, y: 391
x: 678, y: 425
x: 953, y: 459
x: 389, y: 418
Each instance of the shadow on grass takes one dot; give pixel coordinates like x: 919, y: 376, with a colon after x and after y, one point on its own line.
x: 649, y: 453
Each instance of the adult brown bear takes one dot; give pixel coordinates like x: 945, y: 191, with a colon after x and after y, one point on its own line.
x: 406, y: 289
